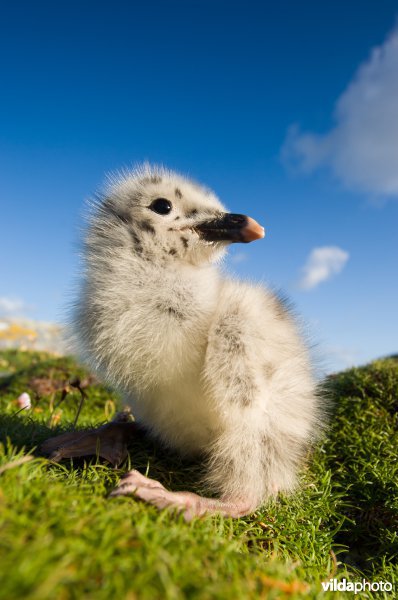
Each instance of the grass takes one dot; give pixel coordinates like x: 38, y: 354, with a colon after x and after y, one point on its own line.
x: 62, y: 538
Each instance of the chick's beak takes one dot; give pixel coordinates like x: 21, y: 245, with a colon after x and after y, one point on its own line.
x: 230, y: 228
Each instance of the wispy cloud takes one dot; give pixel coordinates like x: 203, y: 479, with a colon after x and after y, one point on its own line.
x: 239, y: 258
x: 11, y: 306
x: 362, y: 148
x: 341, y: 357
x: 321, y: 265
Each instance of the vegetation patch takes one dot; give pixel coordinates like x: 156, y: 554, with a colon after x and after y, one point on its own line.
x: 62, y: 537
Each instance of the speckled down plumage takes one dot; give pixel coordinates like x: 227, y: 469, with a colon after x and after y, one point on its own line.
x: 211, y: 366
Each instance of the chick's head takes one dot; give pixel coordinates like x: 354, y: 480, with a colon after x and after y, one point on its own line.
x: 170, y: 218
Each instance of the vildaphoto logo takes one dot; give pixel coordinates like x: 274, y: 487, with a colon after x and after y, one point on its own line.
x: 334, y: 585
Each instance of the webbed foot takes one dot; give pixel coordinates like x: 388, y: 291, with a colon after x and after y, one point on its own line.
x: 108, y: 442
x: 190, y: 504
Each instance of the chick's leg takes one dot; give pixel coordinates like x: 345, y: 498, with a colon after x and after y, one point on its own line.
x: 190, y: 504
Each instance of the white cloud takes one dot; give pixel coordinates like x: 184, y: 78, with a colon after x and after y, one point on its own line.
x: 239, y: 258
x: 362, y: 148
x: 11, y: 305
x: 341, y: 357
x: 321, y: 265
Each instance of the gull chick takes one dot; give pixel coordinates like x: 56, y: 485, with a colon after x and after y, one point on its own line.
x: 210, y: 366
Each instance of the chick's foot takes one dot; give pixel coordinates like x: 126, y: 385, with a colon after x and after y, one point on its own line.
x: 109, y: 442
x: 190, y: 504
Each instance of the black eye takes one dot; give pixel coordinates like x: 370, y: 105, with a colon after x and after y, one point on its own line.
x: 162, y: 206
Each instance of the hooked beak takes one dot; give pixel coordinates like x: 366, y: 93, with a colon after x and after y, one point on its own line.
x: 230, y: 228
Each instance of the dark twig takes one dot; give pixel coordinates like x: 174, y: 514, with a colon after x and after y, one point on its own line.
x: 76, y: 384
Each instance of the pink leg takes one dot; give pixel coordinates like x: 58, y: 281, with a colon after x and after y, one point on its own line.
x: 190, y: 504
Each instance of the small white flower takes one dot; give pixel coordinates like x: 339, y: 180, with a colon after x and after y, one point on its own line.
x: 24, y: 401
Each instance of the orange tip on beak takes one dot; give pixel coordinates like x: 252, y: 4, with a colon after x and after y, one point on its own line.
x: 252, y: 231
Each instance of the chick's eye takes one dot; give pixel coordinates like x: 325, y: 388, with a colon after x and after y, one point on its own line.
x: 162, y: 206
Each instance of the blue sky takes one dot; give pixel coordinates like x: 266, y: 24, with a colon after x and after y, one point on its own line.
x: 288, y: 111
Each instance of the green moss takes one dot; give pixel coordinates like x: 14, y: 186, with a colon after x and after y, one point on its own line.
x: 61, y: 537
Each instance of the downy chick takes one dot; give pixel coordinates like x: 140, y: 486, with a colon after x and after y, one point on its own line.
x: 211, y: 367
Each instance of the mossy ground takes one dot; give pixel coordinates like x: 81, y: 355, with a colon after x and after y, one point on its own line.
x: 61, y: 537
